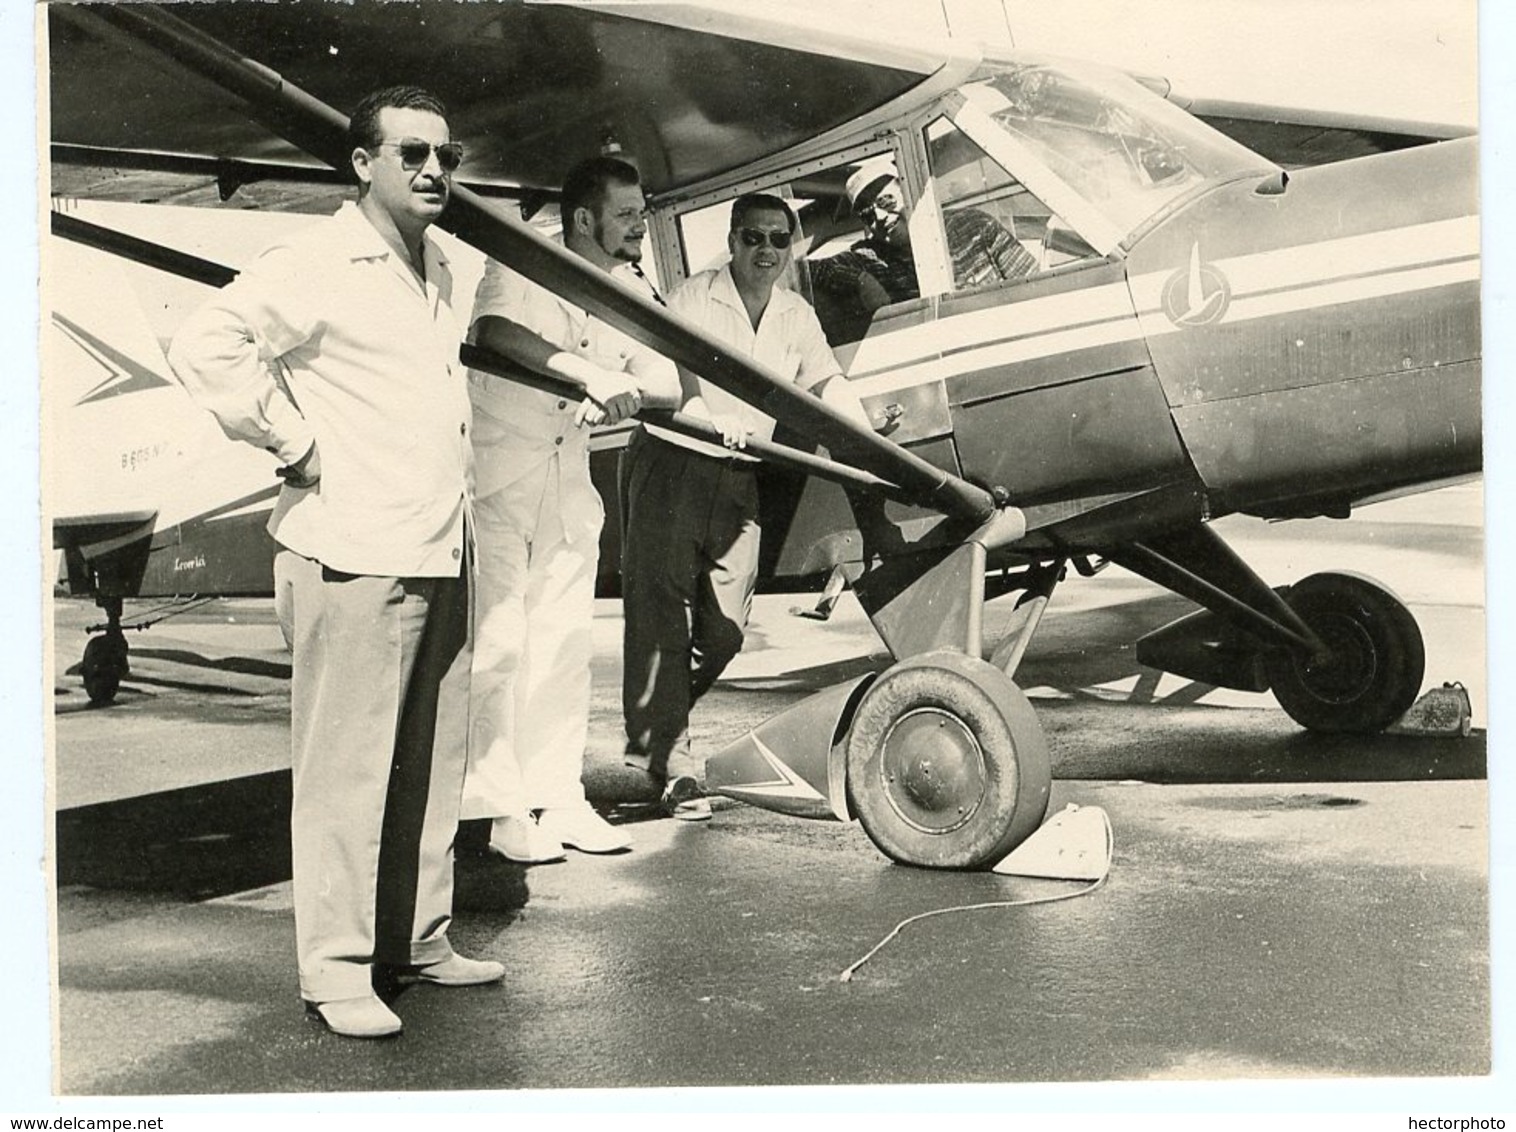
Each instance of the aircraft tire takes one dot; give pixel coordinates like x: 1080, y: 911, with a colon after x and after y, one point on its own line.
x: 947, y: 765
x: 1377, y: 663
x: 104, y: 664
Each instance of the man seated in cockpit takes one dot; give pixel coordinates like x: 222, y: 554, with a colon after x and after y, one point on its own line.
x: 879, y: 269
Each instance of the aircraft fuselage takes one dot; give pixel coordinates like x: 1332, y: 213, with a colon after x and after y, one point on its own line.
x: 1278, y: 350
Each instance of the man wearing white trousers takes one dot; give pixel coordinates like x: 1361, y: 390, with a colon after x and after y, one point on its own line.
x: 539, y: 520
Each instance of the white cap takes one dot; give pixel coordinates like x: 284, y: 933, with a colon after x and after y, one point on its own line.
x: 874, y: 169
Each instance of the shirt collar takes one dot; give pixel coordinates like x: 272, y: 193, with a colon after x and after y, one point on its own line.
x: 724, y: 290
x: 365, y: 242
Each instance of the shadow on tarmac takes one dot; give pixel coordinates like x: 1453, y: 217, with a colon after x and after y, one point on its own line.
x: 1071, y: 652
x: 195, y: 843
x: 65, y: 703
x: 229, y: 836
x: 245, y: 665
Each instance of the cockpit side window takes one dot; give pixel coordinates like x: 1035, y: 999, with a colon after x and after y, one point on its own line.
x: 851, y: 256
x: 997, y: 231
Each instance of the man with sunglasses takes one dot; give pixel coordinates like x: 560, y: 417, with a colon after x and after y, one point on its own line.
x: 690, y: 557
x: 538, y: 519
x: 337, y: 351
x: 880, y: 269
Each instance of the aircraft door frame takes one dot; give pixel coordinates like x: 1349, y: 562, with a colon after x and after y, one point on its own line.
x: 1042, y: 384
x: 1021, y: 162
x: 666, y: 212
x: 934, y: 264
x: 663, y: 231
x: 933, y: 258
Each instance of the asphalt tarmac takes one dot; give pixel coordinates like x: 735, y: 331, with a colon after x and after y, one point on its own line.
x: 1279, y: 905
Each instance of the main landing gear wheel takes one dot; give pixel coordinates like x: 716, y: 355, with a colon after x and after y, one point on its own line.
x: 104, y: 665
x: 1376, y: 661
x: 947, y: 766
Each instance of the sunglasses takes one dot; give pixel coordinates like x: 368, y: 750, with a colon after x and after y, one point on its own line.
x: 757, y: 237
x: 414, y: 152
x: 884, y: 202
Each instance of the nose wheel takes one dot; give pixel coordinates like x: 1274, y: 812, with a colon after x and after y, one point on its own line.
x: 947, y: 765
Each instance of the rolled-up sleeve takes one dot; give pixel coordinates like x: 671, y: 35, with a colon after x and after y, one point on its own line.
x: 817, y: 362
x: 227, y: 354
x: 508, y: 294
x: 657, y: 378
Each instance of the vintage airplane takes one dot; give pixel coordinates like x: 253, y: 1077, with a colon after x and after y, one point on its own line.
x: 1203, y: 332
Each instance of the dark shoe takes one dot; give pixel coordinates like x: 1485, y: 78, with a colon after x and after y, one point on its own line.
x: 455, y: 971
x: 361, y: 1017
x: 683, y: 799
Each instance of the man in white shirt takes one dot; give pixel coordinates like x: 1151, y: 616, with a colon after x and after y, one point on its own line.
x: 539, y: 519
x: 337, y: 351
x: 690, y: 558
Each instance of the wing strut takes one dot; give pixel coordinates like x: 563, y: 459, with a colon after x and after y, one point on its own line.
x: 321, y: 131
x: 782, y: 455
x: 141, y: 251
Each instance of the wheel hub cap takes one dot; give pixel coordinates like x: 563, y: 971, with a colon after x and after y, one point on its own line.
x: 934, y: 771
x: 1348, y: 670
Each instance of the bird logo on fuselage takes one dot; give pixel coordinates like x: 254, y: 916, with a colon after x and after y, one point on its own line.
x: 1197, y: 295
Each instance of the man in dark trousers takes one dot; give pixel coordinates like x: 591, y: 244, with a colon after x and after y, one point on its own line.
x: 690, y: 558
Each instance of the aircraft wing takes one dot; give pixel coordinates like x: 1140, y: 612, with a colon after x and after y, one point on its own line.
x: 531, y: 89
x: 686, y: 88
x: 248, y: 104
x: 1296, y: 138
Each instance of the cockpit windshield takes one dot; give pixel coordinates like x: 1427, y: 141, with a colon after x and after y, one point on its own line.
x: 1118, y: 145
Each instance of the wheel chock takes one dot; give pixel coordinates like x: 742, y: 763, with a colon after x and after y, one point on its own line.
x: 1073, y: 844
x: 1441, y: 711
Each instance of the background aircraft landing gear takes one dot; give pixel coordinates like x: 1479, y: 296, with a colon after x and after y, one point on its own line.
x: 105, y: 661
x: 1372, y: 670
x: 947, y: 766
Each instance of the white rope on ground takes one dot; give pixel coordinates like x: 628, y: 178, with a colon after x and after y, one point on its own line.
x: 847, y: 975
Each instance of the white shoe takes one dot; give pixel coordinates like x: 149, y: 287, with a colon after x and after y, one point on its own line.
x: 524, y: 841
x: 580, y: 827
x: 362, y: 1017
x: 456, y: 971
x: 695, y: 809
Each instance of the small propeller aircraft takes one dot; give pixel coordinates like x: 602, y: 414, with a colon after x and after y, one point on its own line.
x: 1200, y: 330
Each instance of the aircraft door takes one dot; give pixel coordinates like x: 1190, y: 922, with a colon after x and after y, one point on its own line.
x: 1049, y: 389
x: 1029, y: 367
